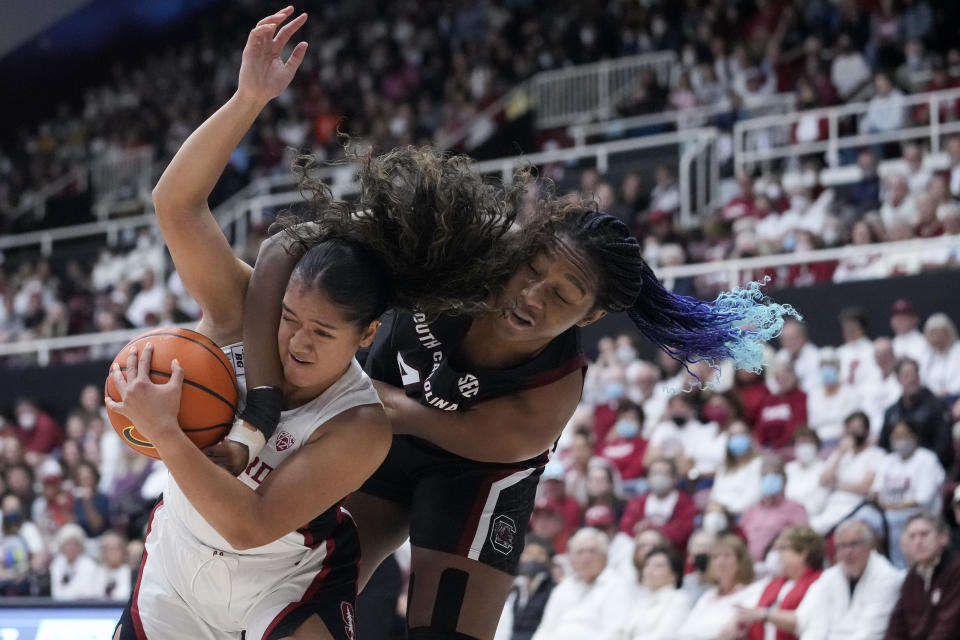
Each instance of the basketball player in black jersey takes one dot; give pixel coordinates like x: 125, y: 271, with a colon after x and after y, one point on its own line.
x: 477, y: 401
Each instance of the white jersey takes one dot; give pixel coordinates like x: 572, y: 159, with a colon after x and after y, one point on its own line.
x: 296, y: 425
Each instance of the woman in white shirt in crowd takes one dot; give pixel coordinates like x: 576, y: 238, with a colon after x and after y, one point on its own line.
x: 737, y: 483
x: 849, y: 473
x: 658, y: 615
x: 803, y: 473
x: 697, y: 582
x: 940, y: 372
x: 865, y: 266
x: 590, y: 603
x: 831, y: 402
x: 731, y: 571
x: 73, y: 575
x: 695, y: 446
x: 908, y: 480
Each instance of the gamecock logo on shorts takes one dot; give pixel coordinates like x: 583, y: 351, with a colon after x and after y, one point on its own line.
x: 285, y: 440
x: 346, y: 610
x: 502, y: 533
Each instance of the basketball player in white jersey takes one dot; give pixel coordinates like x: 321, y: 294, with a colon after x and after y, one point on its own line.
x: 271, y: 554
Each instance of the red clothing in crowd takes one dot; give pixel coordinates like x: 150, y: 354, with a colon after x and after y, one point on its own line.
x: 604, y: 417
x: 789, y: 602
x: 778, y: 417
x: 678, y: 526
x: 45, y: 437
x: 752, y: 397
x: 626, y: 454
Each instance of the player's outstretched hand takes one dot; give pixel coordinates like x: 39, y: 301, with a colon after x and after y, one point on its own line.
x: 263, y: 73
x: 152, y: 407
x: 229, y: 454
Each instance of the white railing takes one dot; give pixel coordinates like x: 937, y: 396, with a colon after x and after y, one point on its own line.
x: 760, y: 140
x: 591, y: 91
x: 121, y: 177
x: 777, y: 104
x: 737, y: 272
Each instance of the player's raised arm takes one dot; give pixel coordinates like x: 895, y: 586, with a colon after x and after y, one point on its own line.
x: 204, y: 259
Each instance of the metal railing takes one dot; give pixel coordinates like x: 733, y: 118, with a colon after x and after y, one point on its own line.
x: 737, y: 272
x: 591, y: 91
x: 779, y: 103
x: 761, y: 140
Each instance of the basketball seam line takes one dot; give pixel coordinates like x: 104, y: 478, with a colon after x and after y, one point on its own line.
x: 218, y: 353
x: 196, y: 385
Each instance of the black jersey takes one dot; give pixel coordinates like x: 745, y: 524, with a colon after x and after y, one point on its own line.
x: 412, y: 353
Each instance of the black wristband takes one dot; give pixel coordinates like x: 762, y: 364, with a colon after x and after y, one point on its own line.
x: 262, y: 409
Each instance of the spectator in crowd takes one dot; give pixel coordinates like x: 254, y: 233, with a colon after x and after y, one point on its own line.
x: 696, y: 581
x: 782, y: 412
x: 941, y: 370
x: 54, y: 507
x: 884, y: 391
x: 664, y: 507
x: 14, y: 555
x: 798, y: 351
x: 581, y: 451
x: 604, y: 486
x: 531, y: 590
x: 621, y: 545
x: 719, y: 521
x: 14, y: 515
x: 869, y: 266
x: 643, y: 389
x: 623, y: 445
x: 897, y: 205
x: 19, y: 480
x: 829, y: 404
x: 921, y: 408
x: 853, y: 598
x: 91, y: 510
x: 805, y: 471
x: 929, y: 602
x: 665, y: 195
x: 764, y: 520
x: 857, y: 366
x: 692, y: 444
x: 552, y: 487
x: 886, y: 111
x: 908, y: 480
x: 546, y: 521
x: 857, y: 198
x: 73, y: 575
x: 659, y: 614
x: 147, y: 305
x: 731, y: 571
x: 801, y: 552
x: 737, y: 483
x: 37, y: 431
x: 115, y: 579
x: 591, y: 602
x: 849, y: 473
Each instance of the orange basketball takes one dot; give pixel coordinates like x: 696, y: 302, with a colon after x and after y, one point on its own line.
x: 209, y: 398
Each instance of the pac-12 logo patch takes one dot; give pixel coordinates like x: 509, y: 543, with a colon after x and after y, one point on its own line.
x: 469, y: 385
x: 285, y: 440
x: 502, y: 533
x: 349, y: 624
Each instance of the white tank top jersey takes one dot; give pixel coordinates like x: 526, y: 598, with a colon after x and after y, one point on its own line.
x: 352, y: 389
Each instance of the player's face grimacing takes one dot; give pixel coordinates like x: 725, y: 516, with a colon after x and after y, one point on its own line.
x: 316, y: 339
x: 549, y: 294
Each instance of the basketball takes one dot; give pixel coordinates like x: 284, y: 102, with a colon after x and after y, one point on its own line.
x: 209, y: 398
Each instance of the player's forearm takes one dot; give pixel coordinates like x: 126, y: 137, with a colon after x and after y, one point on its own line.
x: 261, y: 312
x: 191, y: 175
x: 228, y: 505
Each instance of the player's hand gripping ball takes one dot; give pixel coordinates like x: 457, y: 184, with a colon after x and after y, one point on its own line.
x: 208, y: 400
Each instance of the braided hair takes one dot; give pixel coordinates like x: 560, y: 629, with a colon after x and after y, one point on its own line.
x: 735, y: 325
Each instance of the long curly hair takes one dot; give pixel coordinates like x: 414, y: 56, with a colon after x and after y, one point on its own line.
x: 447, y: 237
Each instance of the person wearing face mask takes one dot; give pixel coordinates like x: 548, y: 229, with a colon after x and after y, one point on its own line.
x: 907, y: 480
x: 801, y: 551
x: 623, y: 445
x: 696, y: 447
x: 695, y: 580
x: 803, y: 473
x: 39, y: 433
x: 921, y: 408
x: 848, y: 474
x: 831, y: 402
x: 612, y: 394
x: 663, y: 610
x: 663, y: 508
x: 531, y: 590
x: 737, y: 483
x: 782, y: 412
x: 774, y: 512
